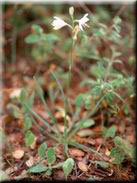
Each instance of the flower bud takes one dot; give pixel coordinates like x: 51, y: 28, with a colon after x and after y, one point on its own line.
x: 71, y: 11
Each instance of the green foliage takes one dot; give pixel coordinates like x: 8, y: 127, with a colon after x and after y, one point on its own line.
x: 98, y: 70
x: 68, y: 166
x: 37, y: 28
x: 27, y: 122
x: 40, y: 36
x: 49, y: 172
x: 87, y: 123
x: 118, y: 155
x: 42, y: 150
x: 101, y: 43
x: 51, y: 155
x: 102, y: 164
x: 122, y: 150
x: 32, y: 38
x: 29, y: 138
x: 79, y: 100
x: 126, y: 109
x: 39, y: 168
x: 110, y: 132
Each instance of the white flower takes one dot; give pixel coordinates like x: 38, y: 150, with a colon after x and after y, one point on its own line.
x: 58, y: 23
x: 82, y: 21
x: 15, y: 93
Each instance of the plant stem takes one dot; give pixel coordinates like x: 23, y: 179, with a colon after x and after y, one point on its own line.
x: 71, y: 64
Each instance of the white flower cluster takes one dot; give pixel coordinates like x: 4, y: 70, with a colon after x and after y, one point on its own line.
x: 58, y: 23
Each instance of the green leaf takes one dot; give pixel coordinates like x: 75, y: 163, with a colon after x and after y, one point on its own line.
x: 125, y: 146
x: 32, y: 38
x: 87, y: 123
x: 49, y: 172
x: 27, y: 122
x: 37, y: 28
x: 110, y: 132
x: 79, y: 100
x: 110, y: 97
x: 23, y: 95
x: 38, y: 168
x: 100, y: 32
x: 17, y: 113
x: 118, y: 141
x: 118, y: 155
x: 39, y: 89
x: 49, y: 37
x: 42, y: 150
x: 30, y: 100
x: 51, y: 155
x: 102, y: 164
x: 88, y: 102
x: 96, y: 90
x: 98, y: 70
x: 68, y: 166
x: 29, y: 138
x: 126, y: 109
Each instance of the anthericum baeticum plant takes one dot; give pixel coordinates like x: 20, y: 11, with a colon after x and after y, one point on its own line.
x: 103, y: 88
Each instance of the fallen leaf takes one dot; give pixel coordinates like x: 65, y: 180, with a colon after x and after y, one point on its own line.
x: 85, y: 133
x: 76, y: 152
x: 18, y: 154
x: 99, y: 141
x: 82, y: 166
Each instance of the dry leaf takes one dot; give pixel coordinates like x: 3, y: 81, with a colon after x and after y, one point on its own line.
x: 82, y: 166
x: 85, y: 133
x: 76, y: 152
x: 18, y: 154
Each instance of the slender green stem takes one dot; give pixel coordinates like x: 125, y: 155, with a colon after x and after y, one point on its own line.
x: 71, y: 64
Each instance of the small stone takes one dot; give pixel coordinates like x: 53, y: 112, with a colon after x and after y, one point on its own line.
x: 18, y: 154
x: 82, y: 166
x: 76, y: 152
